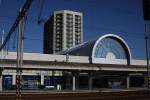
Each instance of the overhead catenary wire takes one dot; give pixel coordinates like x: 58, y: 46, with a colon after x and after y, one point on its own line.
x: 87, y: 27
x: 40, y: 9
x: 15, y: 25
x: 0, y: 2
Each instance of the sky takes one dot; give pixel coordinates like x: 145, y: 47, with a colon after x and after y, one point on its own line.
x: 120, y: 17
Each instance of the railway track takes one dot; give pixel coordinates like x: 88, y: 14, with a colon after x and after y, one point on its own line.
x: 126, y: 95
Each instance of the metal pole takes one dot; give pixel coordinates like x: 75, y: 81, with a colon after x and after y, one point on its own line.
x: 147, y: 53
x: 2, y: 52
x: 1, y: 67
x: 19, y: 58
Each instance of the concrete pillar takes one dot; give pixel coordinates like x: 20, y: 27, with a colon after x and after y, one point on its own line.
x: 41, y: 84
x: 74, y: 83
x: 42, y: 80
x: 145, y: 81
x: 75, y: 76
x: 90, y: 81
x: 14, y: 79
x: 128, y: 82
x: 68, y: 79
x: 1, y: 88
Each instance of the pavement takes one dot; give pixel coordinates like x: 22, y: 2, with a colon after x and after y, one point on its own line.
x: 45, y: 91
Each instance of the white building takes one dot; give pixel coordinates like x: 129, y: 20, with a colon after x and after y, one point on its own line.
x: 63, y: 30
x: 105, y: 62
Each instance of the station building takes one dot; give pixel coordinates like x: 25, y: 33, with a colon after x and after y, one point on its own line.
x: 105, y: 62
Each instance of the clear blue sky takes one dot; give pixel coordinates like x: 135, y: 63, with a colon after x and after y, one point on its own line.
x: 121, y: 17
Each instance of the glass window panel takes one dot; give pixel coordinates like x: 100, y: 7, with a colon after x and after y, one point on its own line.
x: 109, y: 45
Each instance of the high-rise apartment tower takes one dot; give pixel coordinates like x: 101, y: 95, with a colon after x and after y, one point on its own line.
x: 64, y: 29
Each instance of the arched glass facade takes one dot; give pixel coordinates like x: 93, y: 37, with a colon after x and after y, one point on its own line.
x: 110, y: 48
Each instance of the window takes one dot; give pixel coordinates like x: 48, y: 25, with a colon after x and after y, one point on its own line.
x: 107, y: 46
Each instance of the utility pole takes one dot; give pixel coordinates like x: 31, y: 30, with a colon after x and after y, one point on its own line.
x: 2, y: 57
x: 146, y: 10
x: 2, y: 52
x: 19, y: 22
x: 20, y: 38
x: 147, y: 32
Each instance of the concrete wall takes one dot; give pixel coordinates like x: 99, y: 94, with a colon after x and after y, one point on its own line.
x: 138, y: 62
x: 75, y: 59
x: 109, y: 61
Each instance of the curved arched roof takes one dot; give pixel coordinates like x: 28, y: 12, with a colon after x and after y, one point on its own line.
x: 84, y: 49
x: 117, y: 38
x: 89, y: 48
